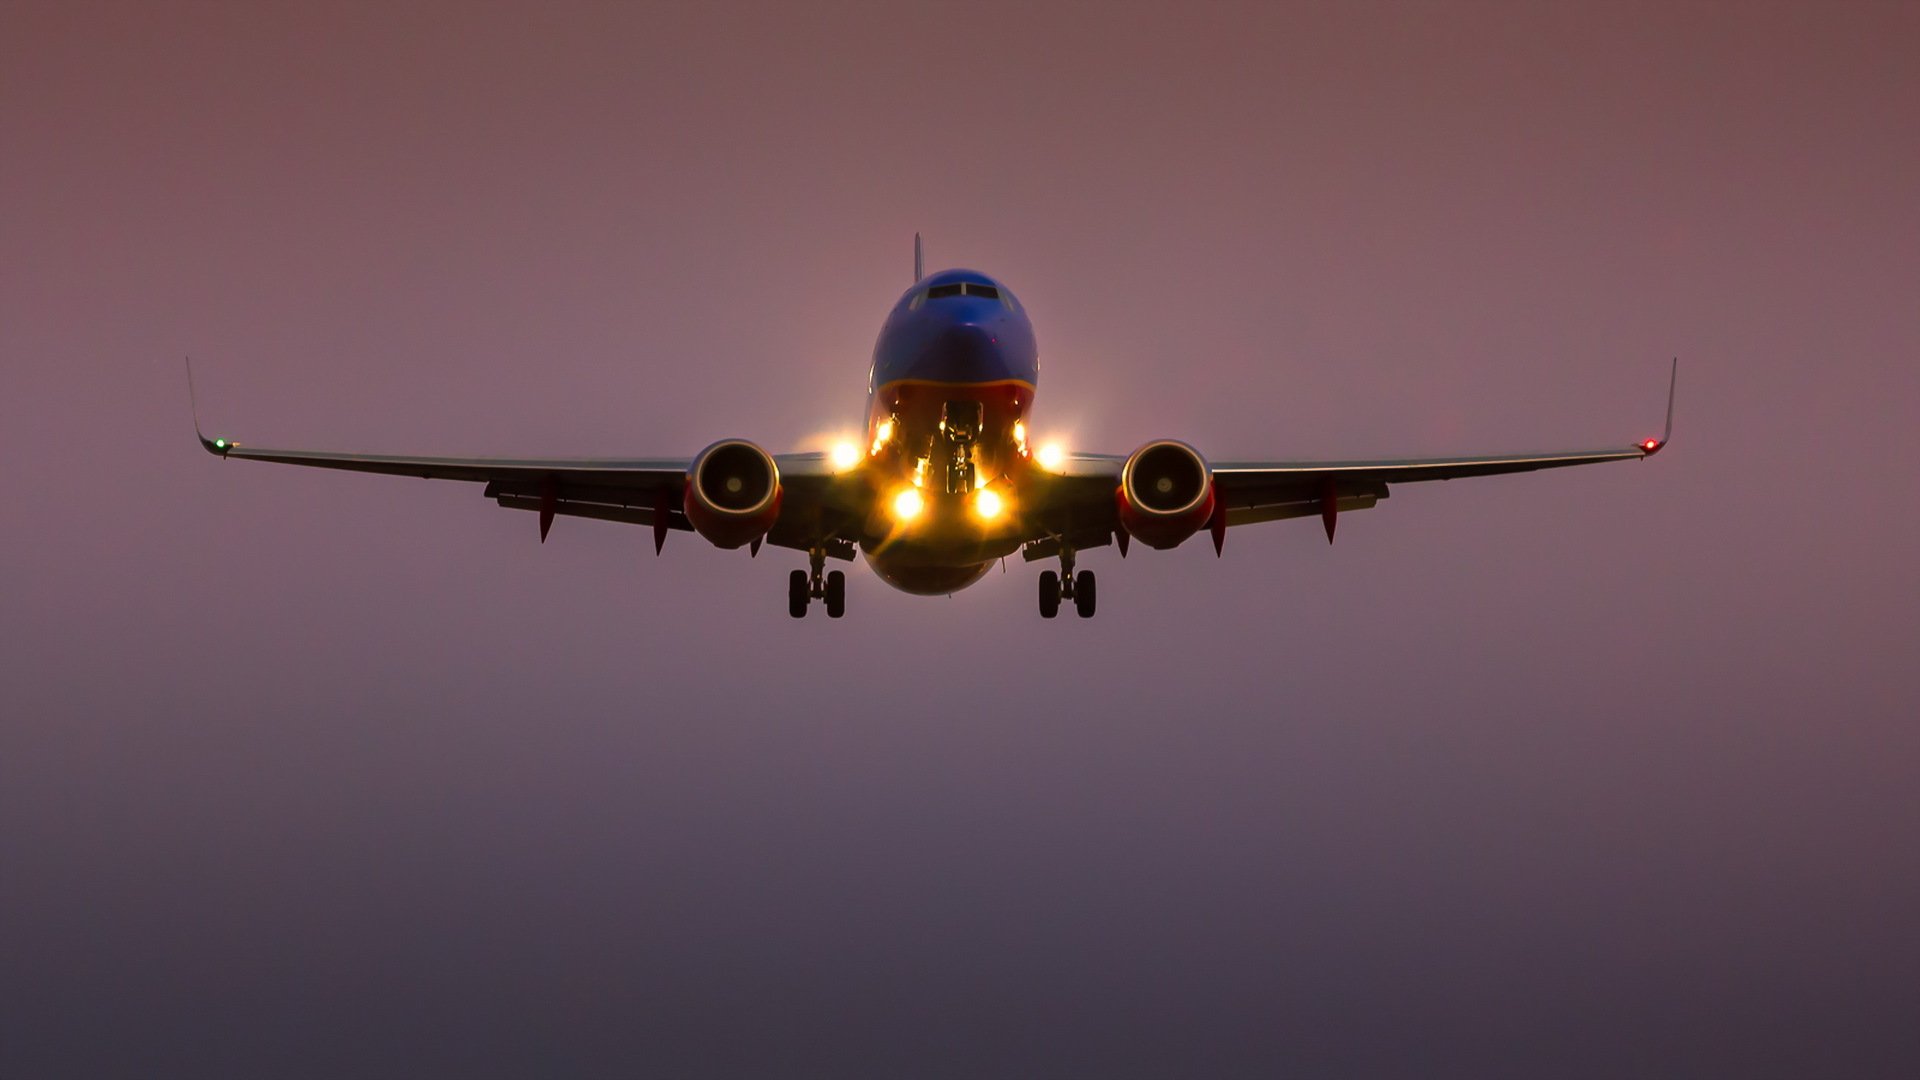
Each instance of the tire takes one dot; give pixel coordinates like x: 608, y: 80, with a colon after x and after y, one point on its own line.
x: 1049, y: 594
x: 797, y: 594
x: 836, y: 594
x: 1083, y: 593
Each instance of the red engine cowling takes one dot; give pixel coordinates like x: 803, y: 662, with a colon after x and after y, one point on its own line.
x: 733, y: 493
x: 1166, y: 493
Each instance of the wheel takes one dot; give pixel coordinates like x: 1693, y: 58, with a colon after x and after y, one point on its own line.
x: 797, y: 594
x: 836, y: 594
x: 1049, y: 594
x: 1083, y: 593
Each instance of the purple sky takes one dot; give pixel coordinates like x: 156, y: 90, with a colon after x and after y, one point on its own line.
x: 1596, y: 773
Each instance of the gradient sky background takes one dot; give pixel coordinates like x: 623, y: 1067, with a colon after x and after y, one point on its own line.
x: 1596, y: 773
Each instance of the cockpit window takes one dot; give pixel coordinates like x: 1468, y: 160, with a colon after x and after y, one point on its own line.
x: 959, y: 288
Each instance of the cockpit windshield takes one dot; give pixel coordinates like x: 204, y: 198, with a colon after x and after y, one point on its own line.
x: 958, y: 288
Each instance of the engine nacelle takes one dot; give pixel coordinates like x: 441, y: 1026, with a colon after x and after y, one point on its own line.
x: 1166, y: 493
x: 733, y: 493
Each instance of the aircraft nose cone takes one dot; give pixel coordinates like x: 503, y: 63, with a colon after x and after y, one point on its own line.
x: 960, y: 352
x: 967, y: 339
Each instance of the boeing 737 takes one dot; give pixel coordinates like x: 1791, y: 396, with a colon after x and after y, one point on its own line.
x: 947, y: 479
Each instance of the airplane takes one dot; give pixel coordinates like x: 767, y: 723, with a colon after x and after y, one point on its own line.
x: 948, y: 479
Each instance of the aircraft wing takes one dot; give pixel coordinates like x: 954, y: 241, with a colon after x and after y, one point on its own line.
x: 1256, y: 491
x: 1077, y: 503
x: 637, y: 473
x: 1249, y: 492
x: 1252, y: 492
x: 638, y: 491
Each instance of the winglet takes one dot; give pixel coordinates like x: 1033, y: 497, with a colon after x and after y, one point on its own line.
x: 1653, y: 446
x: 918, y: 271
x: 212, y: 446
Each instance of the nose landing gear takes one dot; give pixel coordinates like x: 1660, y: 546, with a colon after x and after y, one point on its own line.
x: 1067, y: 585
x: 805, y: 586
x: 960, y: 425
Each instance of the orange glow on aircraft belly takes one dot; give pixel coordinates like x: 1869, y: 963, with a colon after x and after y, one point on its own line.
x: 914, y: 408
x: 949, y: 543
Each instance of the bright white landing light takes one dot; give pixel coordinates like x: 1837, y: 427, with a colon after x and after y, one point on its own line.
x: 845, y: 455
x: 987, y: 504
x: 1052, y: 456
x: 907, y: 504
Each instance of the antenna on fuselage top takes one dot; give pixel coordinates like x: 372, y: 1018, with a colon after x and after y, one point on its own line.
x: 918, y: 273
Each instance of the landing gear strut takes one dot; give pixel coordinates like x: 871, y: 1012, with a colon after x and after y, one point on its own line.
x: 960, y: 423
x: 1067, y: 585
x: 805, y: 586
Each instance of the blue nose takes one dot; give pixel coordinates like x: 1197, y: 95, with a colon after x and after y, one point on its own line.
x: 961, y: 352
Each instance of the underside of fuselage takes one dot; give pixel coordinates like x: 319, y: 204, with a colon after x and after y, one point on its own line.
x: 924, y: 580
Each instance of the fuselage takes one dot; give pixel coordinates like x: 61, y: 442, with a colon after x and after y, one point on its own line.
x: 955, y: 366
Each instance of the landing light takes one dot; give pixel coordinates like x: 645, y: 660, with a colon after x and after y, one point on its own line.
x: 987, y: 504
x: 845, y: 455
x: 1052, y: 456
x: 907, y: 504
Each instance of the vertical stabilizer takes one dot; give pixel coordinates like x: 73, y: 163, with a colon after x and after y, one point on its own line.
x: 918, y: 270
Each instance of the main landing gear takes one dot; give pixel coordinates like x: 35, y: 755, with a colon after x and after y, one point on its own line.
x: 805, y: 586
x: 1067, y: 585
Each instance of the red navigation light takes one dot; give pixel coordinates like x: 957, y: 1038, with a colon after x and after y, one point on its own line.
x: 1650, y: 445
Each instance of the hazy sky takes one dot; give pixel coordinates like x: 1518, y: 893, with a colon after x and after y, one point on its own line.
x: 1595, y: 773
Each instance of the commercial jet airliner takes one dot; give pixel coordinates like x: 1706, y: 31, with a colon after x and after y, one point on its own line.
x: 948, y: 479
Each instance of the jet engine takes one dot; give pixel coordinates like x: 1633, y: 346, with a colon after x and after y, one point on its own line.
x: 733, y: 493
x: 1166, y: 493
